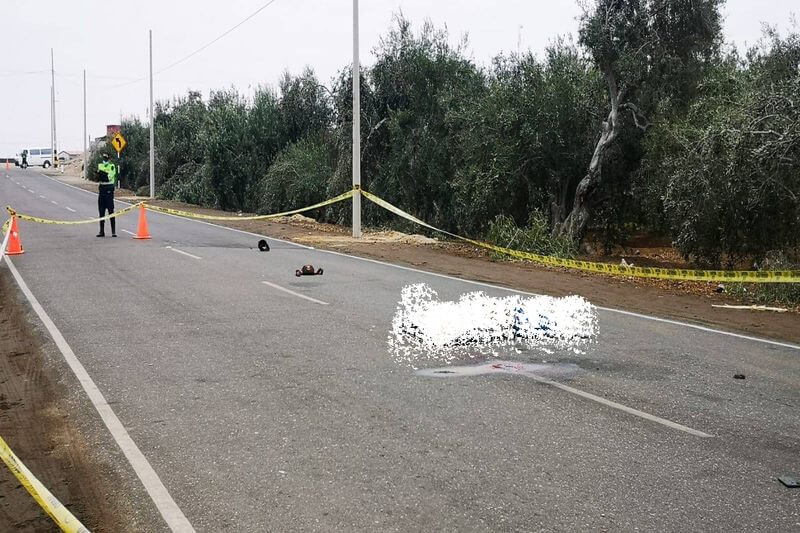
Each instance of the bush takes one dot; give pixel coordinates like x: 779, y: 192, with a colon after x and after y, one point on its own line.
x: 298, y: 177
x: 535, y: 237
x: 771, y: 293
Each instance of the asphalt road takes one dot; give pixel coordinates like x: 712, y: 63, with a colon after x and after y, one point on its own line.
x: 261, y: 410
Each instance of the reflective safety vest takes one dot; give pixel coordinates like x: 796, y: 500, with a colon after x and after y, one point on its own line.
x: 110, y: 170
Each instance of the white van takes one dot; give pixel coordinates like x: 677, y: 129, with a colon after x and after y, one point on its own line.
x: 37, y: 157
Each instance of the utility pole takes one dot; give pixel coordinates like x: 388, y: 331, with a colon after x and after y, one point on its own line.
x: 152, y: 120
x: 356, y: 128
x: 85, y: 160
x: 53, y: 139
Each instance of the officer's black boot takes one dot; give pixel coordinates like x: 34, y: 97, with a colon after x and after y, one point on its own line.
x: 102, y: 229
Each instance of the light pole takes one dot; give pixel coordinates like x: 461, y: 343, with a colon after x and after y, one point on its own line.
x: 85, y: 160
x: 53, y: 139
x: 356, y: 128
x: 152, y: 119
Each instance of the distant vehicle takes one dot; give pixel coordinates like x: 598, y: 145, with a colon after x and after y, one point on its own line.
x: 36, y: 157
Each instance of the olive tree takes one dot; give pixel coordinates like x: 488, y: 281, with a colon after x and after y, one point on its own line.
x: 646, y: 50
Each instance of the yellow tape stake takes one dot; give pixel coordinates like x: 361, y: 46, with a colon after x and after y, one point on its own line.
x: 60, y: 515
x: 188, y: 214
x: 40, y: 220
x: 744, y: 276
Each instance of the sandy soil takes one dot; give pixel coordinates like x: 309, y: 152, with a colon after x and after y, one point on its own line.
x: 38, y: 428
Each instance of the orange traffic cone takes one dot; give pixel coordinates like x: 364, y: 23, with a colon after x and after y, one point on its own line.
x: 142, y: 232
x: 14, y: 246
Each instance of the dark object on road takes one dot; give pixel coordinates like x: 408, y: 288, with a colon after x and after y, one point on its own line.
x: 790, y: 482
x: 263, y: 246
x: 308, y: 270
x: 720, y: 288
x: 738, y: 376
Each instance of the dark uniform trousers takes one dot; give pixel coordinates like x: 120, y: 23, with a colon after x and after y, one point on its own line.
x: 105, y: 202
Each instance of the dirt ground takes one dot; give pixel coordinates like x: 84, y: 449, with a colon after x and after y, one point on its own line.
x: 689, y: 301
x: 37, y: 426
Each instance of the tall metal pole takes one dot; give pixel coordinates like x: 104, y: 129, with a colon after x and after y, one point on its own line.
x: 356, y: 128
x: 152, y: 119
x: 53, y: 155
x: 85, y: 159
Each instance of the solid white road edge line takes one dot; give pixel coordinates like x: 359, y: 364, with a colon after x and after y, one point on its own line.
x: 303, y: 296
x: 624, y: 408
x: 129, y: 232
x: 479, y: 283
x: 3, y: 246
x: 169, y: 510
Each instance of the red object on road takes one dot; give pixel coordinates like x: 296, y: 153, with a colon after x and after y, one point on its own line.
x: 14, y: 245
x: 142, y: 232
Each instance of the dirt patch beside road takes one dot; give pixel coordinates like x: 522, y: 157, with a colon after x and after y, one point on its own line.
x: 36, y: 425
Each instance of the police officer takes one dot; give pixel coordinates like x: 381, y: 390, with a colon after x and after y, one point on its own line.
x: 107, y: 174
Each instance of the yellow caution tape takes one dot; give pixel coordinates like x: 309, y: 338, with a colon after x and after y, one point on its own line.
x: 6, y: 224
x: 188, y: 214
x: 60, y: 515
x: 40, y: 220
x: 747, y: 276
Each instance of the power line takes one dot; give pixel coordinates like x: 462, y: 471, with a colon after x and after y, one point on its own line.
x: 192, y: 54
x: 23, y: 73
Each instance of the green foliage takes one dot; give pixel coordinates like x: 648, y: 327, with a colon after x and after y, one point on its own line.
x: 298, y: 177
x: 535, y: 237
x: 706, y: 149
x: 771, y: 293
x: 728, y: 172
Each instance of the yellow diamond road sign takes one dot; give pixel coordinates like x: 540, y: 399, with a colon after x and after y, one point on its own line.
x: 118, y: 141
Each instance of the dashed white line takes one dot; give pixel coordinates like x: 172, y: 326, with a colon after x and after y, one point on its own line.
x: 69, y: 209
x: 53, y: 202
x: 31, y: 191
x: 624, y: 408
x: 303, y: 296
x: 43, y: 197
x: 169, y: 510
x: 182, y: 252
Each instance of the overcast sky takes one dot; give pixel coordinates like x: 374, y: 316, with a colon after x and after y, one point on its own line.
x: 109, y: 40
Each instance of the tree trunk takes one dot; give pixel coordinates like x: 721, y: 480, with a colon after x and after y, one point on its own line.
x: 575, y: 223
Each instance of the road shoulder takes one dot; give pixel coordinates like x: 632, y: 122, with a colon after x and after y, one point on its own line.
x: 41, y: 422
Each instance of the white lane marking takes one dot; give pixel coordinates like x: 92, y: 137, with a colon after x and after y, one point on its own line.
x: 182, y: 252
x: 43, y: 197
x: 169, y: 510
x: 53, y: 202
x: 70, y: 209
x: 479, y: 283
x: 31, y: 191
x: 624, y: 408
x: 702, y: 328
x: 129, y: 232
x: 303, y: 296
x: 3, y: 246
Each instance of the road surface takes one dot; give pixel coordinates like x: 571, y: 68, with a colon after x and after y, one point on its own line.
x: 266, y: 402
